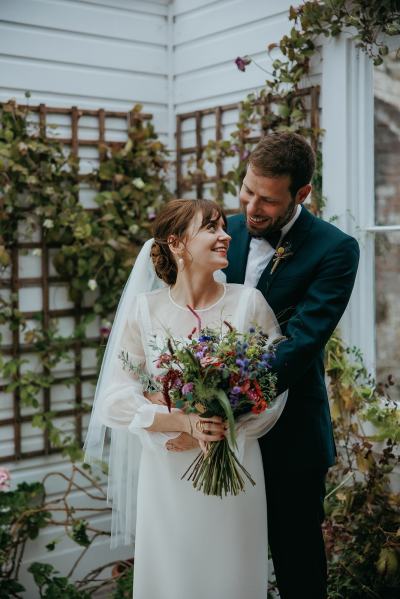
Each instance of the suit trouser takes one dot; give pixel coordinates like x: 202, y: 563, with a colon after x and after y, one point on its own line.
x: 295, y: 514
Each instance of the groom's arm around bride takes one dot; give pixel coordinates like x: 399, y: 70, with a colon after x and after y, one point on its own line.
x: 307, y: 280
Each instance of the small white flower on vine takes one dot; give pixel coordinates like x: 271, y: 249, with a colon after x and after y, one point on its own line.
x: 48, y: 223
x: 22, y: 148
x: 92, y: 284
x: 134, y: 229
x: 37, y: 252
x: 4, y: 479
x: 138, y: 183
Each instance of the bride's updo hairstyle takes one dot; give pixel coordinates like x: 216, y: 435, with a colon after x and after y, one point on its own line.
x: 174, y: 219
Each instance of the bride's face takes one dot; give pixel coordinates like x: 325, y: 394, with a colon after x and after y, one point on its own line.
x: 206, y: 247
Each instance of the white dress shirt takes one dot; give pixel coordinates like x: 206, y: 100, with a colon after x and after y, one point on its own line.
x: 261, y: 252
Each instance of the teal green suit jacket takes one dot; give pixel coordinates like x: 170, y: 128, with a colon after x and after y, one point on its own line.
x: 308, y: 291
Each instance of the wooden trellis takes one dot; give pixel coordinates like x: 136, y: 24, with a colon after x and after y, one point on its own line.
x: 310, y: 95
x: 14, y: 283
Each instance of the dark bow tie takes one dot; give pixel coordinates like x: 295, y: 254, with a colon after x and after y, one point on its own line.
x: 273, y: 238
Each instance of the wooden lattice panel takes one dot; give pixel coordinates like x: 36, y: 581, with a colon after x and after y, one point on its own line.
x: 194, y: 122
x: 18, y: 284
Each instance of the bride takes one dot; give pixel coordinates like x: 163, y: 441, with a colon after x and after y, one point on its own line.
x: 187, y: 544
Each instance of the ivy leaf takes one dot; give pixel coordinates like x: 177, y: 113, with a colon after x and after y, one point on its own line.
x: 388, y: 562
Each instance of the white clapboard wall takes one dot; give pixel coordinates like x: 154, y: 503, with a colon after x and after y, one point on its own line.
x: 173, y: 57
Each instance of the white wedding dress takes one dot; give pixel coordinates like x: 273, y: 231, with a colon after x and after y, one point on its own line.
x: 189, y: 545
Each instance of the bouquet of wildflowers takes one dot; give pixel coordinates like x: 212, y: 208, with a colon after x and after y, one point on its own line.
x: 217, y: 374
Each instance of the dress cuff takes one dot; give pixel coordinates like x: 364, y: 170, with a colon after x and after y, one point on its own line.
x: 144, y: 418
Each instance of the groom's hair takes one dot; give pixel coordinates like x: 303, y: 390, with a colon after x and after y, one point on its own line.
x: 284, y: 154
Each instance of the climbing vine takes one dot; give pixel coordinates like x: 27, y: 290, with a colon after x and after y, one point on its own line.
x: 93, y: 251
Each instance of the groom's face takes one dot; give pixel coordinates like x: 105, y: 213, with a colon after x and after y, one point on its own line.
x: 267, y: 202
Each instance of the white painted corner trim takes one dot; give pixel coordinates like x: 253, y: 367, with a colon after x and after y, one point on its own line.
x: 348, y: 174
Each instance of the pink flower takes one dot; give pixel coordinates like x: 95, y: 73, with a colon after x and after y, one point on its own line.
x: 209, y: 360
x: 4, y: 479
x: 187, y: 388
x: 105, y: 328
x: 242, y: 62
x: 163, y: 360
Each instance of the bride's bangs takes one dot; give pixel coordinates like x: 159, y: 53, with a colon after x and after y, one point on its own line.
x: 211, y: 212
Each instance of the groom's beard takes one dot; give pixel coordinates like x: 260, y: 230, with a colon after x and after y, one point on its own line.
x: 273, y: 225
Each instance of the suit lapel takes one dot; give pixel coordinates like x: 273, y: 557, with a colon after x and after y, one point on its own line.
x: 237, y: 254
x: 292, y: 241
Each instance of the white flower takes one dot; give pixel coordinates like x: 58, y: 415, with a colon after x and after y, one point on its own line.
x: 92, y: 284
x: 134, y: 229
x: 37, y: 252
x: 138, y: 183
x: 48, y: 223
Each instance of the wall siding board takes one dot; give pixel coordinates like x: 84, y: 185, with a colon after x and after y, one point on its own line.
x: 77, y: 49
x: 47, y: 75
x: 101, y: 21
x: 224, y: 16
x: 227, y: 45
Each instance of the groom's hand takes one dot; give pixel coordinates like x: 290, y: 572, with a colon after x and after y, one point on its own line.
x: 182, y: 443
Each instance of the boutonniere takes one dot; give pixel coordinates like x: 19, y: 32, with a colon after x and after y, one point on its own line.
x: 281, y: 253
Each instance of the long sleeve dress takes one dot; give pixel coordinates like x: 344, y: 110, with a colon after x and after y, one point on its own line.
x: 187, y: 544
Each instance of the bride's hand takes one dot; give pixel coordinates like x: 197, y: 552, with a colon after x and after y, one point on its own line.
x: 157, y: 397
x: 182, y: 443
x: 206, y: 430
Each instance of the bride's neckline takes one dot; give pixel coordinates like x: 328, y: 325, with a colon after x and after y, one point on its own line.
x: 198, y: 309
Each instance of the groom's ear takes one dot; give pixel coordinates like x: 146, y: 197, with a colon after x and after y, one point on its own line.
x: 303, y: 193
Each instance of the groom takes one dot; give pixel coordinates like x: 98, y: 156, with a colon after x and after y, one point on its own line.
x: 305, y: 268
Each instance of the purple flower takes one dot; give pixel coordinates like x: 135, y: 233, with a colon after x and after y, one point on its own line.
x: 242, y: 62
x: 205, y: 338
x: 235, y: 389
x: 187, y: 388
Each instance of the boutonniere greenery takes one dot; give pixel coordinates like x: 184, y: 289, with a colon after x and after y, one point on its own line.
x: 281, y: 253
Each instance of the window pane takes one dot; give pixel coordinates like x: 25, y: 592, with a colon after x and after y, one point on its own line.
x: 387, y: 141
x: 387, y: 294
